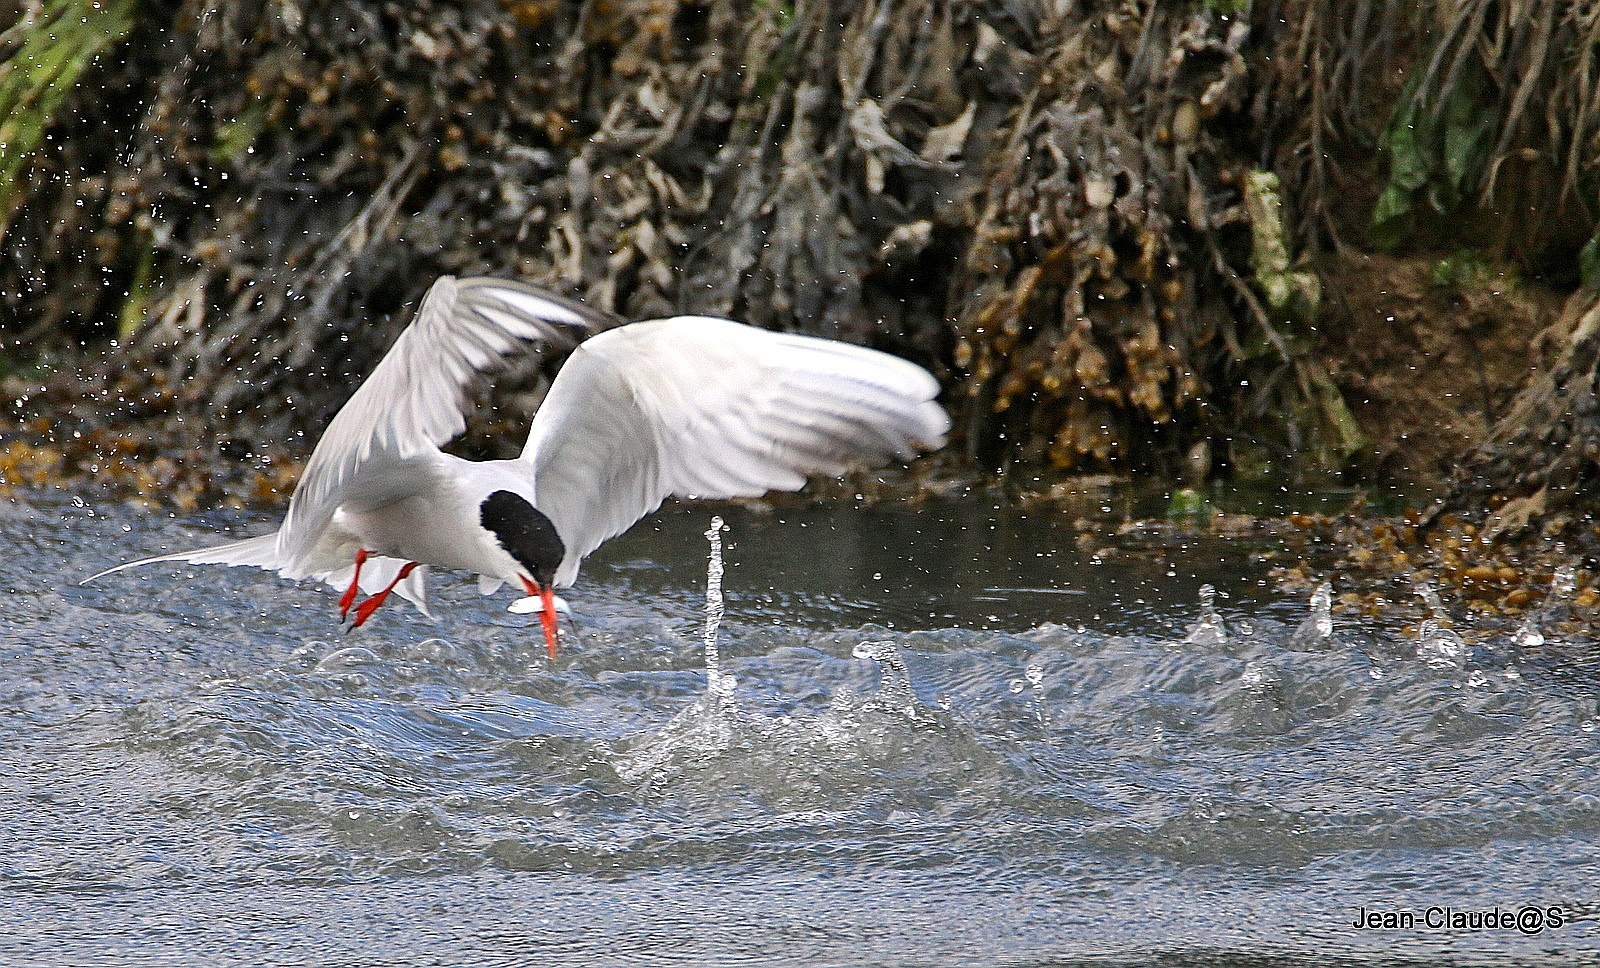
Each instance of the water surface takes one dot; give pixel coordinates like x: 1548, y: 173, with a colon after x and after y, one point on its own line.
x: 956, y: 735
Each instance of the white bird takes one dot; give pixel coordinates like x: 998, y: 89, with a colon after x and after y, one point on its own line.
x: 691, y: 406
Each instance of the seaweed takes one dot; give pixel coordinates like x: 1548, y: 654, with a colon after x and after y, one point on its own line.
x: 1067, y: 211
x: 42, y: 57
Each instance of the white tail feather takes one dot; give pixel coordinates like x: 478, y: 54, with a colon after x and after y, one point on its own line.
x: 258, y: 552
x: 262, y: 552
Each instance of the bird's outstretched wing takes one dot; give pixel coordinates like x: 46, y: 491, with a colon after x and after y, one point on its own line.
x: 383, y: 441
x: 703, y: 407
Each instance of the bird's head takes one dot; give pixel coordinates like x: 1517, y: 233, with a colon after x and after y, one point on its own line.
x: 530, y: 538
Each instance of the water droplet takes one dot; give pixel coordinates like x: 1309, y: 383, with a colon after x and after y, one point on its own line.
x: 1252, y: 677
x: 1430, y: 598
x: 1441, y: 648
x: 1322, y: 608
x: 1564, y: 581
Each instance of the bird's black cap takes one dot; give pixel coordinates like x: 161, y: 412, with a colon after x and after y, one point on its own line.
x: 525, y: 533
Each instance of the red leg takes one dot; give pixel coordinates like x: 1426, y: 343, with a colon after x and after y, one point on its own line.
x: 547, y: 615
x: 365, y: 609
x: 349, y: 596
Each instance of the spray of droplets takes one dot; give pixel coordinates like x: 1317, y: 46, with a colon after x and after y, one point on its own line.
x: 714, y: 678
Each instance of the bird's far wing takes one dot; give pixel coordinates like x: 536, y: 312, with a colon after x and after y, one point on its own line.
x: 702, y: 407
x: 390, y: 430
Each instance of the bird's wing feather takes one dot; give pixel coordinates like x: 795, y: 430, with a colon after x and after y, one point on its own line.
x: 702, y: 407
x: 384, y: 441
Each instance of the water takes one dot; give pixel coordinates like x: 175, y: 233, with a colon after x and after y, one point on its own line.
x: 956, y: 736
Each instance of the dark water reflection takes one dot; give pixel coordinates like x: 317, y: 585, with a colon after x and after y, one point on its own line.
x: 958, y: 736
x: 967, y: 564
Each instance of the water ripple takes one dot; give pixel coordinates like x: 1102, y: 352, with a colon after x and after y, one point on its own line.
x: 860, y: 794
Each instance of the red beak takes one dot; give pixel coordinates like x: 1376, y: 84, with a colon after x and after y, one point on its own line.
x: 549, y: 620
x: 547, y: 615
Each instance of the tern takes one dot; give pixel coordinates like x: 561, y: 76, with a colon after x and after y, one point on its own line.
x: 692, y: 406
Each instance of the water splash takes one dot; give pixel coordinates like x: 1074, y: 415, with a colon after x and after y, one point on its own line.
x: 710, y: 727
x: 894, y: 684
x: 433, y: 650
x: 1255, y: 677
x: 714, y: 740
x: 1554, y: 609
x: 1528, y: 635
x: 342, y: 668
x: 1208, y: 629
x: 1322, y: 609
x: 1032, y: 679
x: 718, y: 686
x: 344, y: 659
x: 1032, y: 682
x: 1441, y: 647
x: 1034, y: 673
x: 715, y: 737
x: 1317, y: 629
x: 1430, y: 597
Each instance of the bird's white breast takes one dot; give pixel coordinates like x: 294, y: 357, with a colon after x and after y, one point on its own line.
x: 439, y: 528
